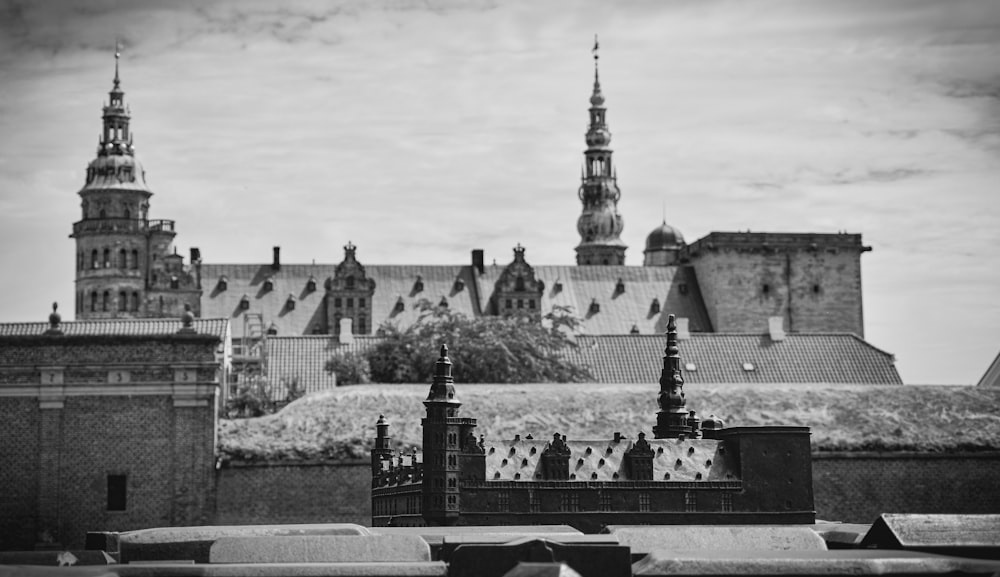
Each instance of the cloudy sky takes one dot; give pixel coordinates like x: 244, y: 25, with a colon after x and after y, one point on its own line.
x: 422, y: 129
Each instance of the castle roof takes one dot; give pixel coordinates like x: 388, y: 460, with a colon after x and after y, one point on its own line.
x: 604, y: 460
x: 217, y: 327
x: 724, y: 358
x: 572, y: 286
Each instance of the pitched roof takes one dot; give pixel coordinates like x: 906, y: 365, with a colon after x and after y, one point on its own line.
x: 604, y: 460
x: 719, y: 358
x: 675, y: 288
x: 120, y: 327
x: 991, y: 378
x: 710, y: 358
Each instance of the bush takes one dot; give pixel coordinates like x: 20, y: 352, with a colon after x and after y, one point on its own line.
x: 488, y: 349
x: 252, y: 399
x: 350, y: 368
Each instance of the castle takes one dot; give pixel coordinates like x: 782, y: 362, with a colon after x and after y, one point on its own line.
x: 693, y: 471
x: 726, y: 282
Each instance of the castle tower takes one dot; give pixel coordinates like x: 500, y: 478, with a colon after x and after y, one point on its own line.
x: 600, y: 226
x: 442, y: 437
x: 663, y: 246
x: 672, y: 418
x: 124, y: 264
x: 383, y: 445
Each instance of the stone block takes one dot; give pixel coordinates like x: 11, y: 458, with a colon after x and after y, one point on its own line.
x: 542, y: 570
x: 825, y: 563
x: 646, y: 539
x: 452, y: 542
x: 55, y: 558
x: 495, y: 560
x: 321, y: 549
x: 194, y: 543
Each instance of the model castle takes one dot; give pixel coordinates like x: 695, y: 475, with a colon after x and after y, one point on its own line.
x: 692, y: 471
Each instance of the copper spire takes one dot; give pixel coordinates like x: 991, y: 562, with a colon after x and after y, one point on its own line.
x: 672, y: 418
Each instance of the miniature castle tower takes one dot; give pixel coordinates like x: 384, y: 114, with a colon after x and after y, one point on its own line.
x: 600, y: 226
x: 125, y: 267
x: 383, y: 445
x: 442, y: 434
x: 672, y: 418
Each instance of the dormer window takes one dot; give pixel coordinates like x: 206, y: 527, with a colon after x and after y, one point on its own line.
x: 444, y: 302
x: 418, y: 286
x: 311, y: 285
x: 459, y: 285
x: 654, y: 307
x: 400, y: 305
x: 557, y: 286
x: 635, y: 330
x: 595, y: 307
x: 244, y: 303
x: 290, y: 303
x: 620, y: 286
x: 268, y: 284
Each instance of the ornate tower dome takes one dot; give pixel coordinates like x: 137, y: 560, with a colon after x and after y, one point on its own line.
x: 662, y: 246
x: 124, y: 264
x: 600, y: 226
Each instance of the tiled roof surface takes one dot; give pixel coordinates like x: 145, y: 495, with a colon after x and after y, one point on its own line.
x: 604, y: 460
x: 716, y: 359
x: 124, y: 327
x: 719, y: 358
x: 580, y: 286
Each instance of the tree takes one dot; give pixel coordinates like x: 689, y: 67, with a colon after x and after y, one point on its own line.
x: 488, y: 349
x: 350, y: 368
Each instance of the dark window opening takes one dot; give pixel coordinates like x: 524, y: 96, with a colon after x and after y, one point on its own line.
x: 816, y: 289
x: 93, y: 259
x: 531, y: 304
x: 336, y: 301
x: 507, y: 303
x: 122, y: 259
x: 350, y: 303
x: 107, y: 258
x: 766, y: 289
x: 117, y: 492
x: 519, y: 284
x: 349, y: 283
x: 361, y: 302
x: 122, y: 301
x: 520, y: 303
x: 93, y: 301
x: 135, y: 259
x: 135, y: 302
x: 106, y: 301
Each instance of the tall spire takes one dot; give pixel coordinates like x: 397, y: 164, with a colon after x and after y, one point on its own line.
x: 672, y: 418
x: 118, y: 54
x: 600, y: 226
x: 116, y: 139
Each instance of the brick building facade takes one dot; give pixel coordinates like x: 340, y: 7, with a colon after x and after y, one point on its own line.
x: 107, y: 424
x: 694, y: 470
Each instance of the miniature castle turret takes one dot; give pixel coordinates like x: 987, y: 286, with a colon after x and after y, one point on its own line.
x: 672, y: 418
x: 442, y: 433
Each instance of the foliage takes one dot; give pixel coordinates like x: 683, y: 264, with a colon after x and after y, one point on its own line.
x: 351, y: 368
x: 339, y: 423
x: 487, y: 349
x: 252, y: 399
x: 293, y: 390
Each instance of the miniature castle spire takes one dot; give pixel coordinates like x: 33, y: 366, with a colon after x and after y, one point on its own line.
x: 443, y: 384
x: 672, y: 418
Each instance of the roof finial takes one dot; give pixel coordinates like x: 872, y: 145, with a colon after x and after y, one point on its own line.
x: 118, y: 55
x: 595, y: 51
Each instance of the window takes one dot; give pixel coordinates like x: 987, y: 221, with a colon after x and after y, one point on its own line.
x: 533, y: 504
x: 605, y: 501
x: 520, y: 303
x: 766, y: 289
x: 122, y: 301
x: 93, y: 301
x: 336, y: 301
x: 122, y: 259
x: 727, y: 502
x: 508, y: 304
x: 519, y: 284
x: 644, y: 501
x: 503, y: 501
x: 452, y: 483
x: 690, y: 502
x: 350, y: 303
x: 349, y: 283
x: 93, y: 259
x: 361, y: 302
x: 106, y: 301
x: 135, y: 302
x: 569, y: 502
x: 531, y: 304
x: 135, y: 259
x: 107, y: 258
x: 117, y: 489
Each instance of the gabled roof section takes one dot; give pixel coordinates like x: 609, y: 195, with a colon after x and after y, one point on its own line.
x: 720, y: 358
x: 675, y: 289
x: 126, y: 327
x: 604, y: 460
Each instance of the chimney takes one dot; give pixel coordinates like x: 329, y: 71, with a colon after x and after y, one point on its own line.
x: 276, y: 262
x: 683, y: 332
x: 477, y: 260
x: 346, y: 331
x: 775, y: 327
x: 195, y: 255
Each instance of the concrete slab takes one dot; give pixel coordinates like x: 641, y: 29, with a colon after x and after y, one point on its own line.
x: 494, y: 560
x: 321, y: 549
x: 646, y: 539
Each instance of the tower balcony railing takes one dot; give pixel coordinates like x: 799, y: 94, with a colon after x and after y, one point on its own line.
x: 122, y: 225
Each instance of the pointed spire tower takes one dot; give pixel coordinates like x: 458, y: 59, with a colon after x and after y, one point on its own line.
x: 444, y: 432
x: 672, y: 418
x: 125, y: 267
x: 600, y: 226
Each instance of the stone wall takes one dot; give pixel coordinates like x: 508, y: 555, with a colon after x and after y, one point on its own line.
x: 857, y: 487
x: 304, y: 492
x: 849, y: 487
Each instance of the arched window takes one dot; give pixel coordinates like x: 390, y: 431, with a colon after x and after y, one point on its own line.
x: 349, y: 283
x: 122, y: 301
x: 135, y: 259
x: 122, y: 259
x: 135, y: 302
x: 106, y: 301
x: 93, y: 301
x: 94, y: 263
x: 128, y: 213
x: 519, y: 284
x: 107, y: 258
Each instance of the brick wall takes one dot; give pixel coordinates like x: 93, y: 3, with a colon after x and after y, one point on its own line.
x: 858, y: 487
x: 812, y: 281
x: 849, y: 487
x: 19, y: 424
x: 309, y: 492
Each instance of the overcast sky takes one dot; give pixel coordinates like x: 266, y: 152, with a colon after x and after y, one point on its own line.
x: 422, y: 130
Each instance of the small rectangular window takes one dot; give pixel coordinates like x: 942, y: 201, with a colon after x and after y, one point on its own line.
x: 644, y: 501
x: 690, y: 502
x: 117, y: 491
x: 350, y: 303
x: 727, y: 502
x: 361, y: 302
